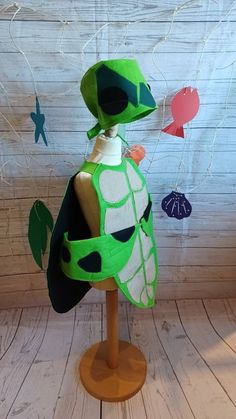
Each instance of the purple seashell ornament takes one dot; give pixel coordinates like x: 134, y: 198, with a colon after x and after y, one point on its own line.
x: 176, y: 205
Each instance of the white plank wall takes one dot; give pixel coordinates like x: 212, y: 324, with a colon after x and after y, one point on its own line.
x: 195, y: 45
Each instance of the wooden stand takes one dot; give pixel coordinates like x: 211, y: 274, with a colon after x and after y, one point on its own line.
x: 113, y: 370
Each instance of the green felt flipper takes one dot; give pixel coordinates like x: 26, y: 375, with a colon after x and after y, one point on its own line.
x: 40, y: 219
x: 125, y: 248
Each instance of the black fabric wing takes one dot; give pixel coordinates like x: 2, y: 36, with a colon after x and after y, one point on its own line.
x: 64, y: 292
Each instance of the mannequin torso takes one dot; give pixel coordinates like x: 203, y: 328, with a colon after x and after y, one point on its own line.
x: 107, y: 150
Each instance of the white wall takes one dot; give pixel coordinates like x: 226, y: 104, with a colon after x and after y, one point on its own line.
x: 194, y: 45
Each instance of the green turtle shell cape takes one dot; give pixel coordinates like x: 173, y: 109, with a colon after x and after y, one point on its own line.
x: 115, y: 92
x: 126, y: 247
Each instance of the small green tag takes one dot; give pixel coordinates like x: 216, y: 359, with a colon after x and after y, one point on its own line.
x: 94, y: 131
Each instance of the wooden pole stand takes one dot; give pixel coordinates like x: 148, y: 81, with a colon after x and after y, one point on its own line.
x: 113, y: 370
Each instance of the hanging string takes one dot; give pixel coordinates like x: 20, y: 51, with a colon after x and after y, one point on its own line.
x: 27, y: 156
x: 186, y: 4
x: 64, y: 22
x: 19, y: 49
x: 205, y: 40
x: 208, y: 170
x: 90, y: 40
x: 187, y: 137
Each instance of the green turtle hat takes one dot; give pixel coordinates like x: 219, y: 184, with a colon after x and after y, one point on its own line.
x: 116, y: 92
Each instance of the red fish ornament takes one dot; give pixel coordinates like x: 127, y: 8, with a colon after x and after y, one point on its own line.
x: 184, y: 107
x: 136, y: 152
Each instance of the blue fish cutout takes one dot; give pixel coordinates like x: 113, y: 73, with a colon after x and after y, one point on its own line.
x: 176, y: 205
x: 39, y: 119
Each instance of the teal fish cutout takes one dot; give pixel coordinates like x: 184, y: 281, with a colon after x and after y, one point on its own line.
x: 38, y: 118
x: 40, y: 219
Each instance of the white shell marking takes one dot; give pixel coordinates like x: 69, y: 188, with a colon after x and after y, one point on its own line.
x: 150, y: 269
x: 144, y: 297
x: 134, y: 179
x: 113, y: 185
x: 146, y: 244
x: 149, y: 289
x: 119, y: 218
x: 136, y: 285
x: 141, y: 202
x: 132, y: 264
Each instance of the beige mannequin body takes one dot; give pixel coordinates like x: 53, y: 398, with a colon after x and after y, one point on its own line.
x: 107, y: 150
x: 114, y: 370
x: 122, y: 367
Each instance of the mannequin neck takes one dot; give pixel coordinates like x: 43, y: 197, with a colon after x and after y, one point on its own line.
x: 107, y: 150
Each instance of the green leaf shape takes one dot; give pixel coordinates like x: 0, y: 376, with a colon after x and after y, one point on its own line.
x: 39, y: 219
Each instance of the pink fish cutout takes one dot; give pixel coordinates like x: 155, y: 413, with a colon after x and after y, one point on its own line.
x: 136, y: 152
x: 184, y: 107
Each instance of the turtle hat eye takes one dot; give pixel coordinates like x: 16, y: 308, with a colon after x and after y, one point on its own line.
x: 113, y: 100
x: 148, y: 85
x: 114, y: 91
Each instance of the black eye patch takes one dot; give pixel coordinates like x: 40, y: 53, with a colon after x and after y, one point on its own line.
x: 91, y: 263
x: 114, y: 91
x: 124, y: 235
x: 113, y: 100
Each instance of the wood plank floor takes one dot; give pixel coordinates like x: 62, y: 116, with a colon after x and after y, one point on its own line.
x: 190, y: 347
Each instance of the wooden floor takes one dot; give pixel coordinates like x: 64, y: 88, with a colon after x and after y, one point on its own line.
x: 189, y: 345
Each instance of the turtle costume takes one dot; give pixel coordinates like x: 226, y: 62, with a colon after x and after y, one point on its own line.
x: 115, y: 91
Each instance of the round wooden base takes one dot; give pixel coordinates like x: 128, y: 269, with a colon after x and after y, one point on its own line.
x: 113, y: 385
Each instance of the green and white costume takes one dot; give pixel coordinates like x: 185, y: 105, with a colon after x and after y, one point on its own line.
x: 126, y: 247
x: 115, y: 92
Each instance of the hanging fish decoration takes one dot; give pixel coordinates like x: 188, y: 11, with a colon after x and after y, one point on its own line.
x: 136, y: 152
x: 176, y: 205
x: 38, y: 118
x: 184, y: 107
